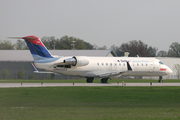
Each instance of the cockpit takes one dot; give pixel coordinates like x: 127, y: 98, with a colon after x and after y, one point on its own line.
x: 164, y: 68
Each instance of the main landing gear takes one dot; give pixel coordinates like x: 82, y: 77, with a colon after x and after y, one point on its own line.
x: 104, y: 80
x: 90, y: 80
x: 160, y: 79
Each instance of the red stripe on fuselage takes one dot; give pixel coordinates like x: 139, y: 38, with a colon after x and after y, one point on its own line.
x: 34, y: 40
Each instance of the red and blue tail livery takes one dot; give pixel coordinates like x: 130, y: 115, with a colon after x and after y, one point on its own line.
x: 39, y: 52
x: 37, y: 48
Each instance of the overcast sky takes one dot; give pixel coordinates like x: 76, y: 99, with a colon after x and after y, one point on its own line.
x: 100, y: 22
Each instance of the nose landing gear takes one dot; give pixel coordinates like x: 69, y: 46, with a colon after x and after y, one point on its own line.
x: 160, y: 79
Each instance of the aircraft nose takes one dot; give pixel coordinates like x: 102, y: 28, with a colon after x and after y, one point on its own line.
x: 169, y: 71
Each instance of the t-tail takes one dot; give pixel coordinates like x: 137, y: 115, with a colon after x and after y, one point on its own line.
x: 36, y: 47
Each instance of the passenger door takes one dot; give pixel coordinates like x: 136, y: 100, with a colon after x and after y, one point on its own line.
x: 151, y: 67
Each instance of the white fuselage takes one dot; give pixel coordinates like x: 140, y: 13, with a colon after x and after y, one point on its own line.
x: 106, y: 67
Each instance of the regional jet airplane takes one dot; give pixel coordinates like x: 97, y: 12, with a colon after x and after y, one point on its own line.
x: 94, y: 67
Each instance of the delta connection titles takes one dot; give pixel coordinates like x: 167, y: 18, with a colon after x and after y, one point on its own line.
x: 140, y: 61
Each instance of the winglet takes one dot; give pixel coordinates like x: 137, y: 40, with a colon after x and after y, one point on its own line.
x: 129, y: 67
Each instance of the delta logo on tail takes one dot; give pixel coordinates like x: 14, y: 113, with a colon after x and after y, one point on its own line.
x: 34, y: 40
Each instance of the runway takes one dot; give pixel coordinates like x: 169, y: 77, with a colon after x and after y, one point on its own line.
x: 14, y: 85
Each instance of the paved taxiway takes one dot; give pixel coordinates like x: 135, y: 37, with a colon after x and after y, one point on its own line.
x: 11, y: 85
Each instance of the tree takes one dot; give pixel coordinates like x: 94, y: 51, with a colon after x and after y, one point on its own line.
x: 21, y: 74
x: 32, y: 76
x: 135, y: 47
x: 162, y: 54
x: 99, y: 48
x: 88, y: 45
x: 117, y: 50
x: 49, y: 42
x: 21, y: 45
x: 176, y: 68
x: 80, y: 45
x: 65, y: 43
x: 6, y: 45
x: 5, y: 73
x: 152, y: 51
x: 174, y: 50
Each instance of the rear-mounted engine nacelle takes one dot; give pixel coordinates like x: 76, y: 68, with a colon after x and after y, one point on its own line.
x: 70, y: 61
x: 77, y: 61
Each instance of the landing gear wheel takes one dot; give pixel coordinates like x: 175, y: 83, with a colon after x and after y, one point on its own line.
x: 104, y: 80
x: 89, y: 80
x: 160, y: 79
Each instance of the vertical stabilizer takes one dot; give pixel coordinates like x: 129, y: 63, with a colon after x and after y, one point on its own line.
x: 37, y: 48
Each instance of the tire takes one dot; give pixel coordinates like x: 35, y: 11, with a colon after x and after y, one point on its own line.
x: 104, y: 80
x: 89, y: 80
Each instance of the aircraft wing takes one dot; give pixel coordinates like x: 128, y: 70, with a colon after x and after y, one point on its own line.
x: 112, y: 75
x: 117, y: 74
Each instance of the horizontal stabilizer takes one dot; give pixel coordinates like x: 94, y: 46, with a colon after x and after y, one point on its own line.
x: 34, y: 68
x: 27, y: 37
x: 36, y: 71
x: 15, y: 37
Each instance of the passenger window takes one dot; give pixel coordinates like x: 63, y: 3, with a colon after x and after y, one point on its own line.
x: 106, y: 64
x: 137, y: 64
x: 111, y: 64
x: 98, y: 64
x: 124, y: 64
x: 146, y: 64
x: 119, y: 64
x: 142, y: 64
x: 102, y: 64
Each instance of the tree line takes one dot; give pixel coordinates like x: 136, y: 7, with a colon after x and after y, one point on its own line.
x: 134, y: 47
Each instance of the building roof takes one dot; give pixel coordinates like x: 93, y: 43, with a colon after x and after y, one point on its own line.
x: 25, y: 55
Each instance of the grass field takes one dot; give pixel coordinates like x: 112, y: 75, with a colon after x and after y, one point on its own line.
x: 90, y: 103
x: 95, y: 81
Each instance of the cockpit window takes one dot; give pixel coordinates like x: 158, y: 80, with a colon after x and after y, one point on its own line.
x: 160, y: 62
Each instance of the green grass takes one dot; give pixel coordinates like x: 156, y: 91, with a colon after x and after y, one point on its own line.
x: 90, y: 103
x: 95, y: 81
